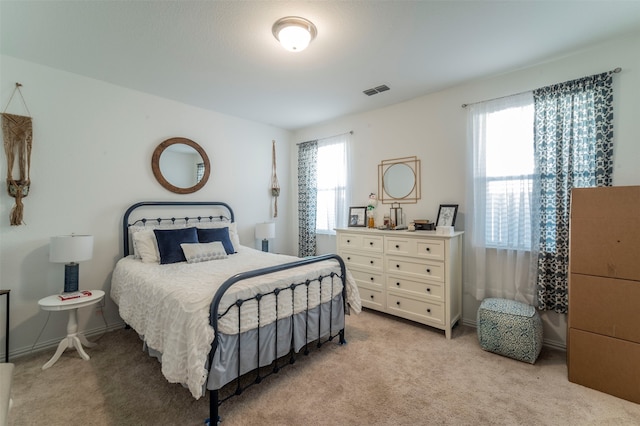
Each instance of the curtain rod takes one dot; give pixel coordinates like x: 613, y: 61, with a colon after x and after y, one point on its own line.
x: 616, y: 70
x: 339, y: 134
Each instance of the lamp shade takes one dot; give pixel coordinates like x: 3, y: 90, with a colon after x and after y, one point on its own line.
x: 265, y: 230
x: 71, y: 248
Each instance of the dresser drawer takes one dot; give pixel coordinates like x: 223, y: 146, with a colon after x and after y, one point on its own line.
x: 429, y: 289
x: 401, y: 246
x: 426, y: 248
x: 371, y: 298
x: 414, y: 309
x: 417, y: 268
x: 369, y: 278
x: 363, y: 260
x: 372, y: 243
x: 430, y: 249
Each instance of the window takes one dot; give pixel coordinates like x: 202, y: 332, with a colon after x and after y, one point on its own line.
x: 504, y: 172
x: 199, y: 172
x: 331, y: 184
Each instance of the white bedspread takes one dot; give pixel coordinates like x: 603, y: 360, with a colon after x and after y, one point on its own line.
x: 169, y: 304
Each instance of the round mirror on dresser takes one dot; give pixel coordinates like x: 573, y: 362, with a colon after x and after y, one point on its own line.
x: 180, y: 165
x: 399, y: 180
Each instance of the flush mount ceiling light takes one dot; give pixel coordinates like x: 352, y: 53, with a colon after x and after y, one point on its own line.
x: 294, y: 33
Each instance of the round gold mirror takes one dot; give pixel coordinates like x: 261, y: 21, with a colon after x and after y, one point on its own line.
x: 180, y: 165
x: 399, y: 181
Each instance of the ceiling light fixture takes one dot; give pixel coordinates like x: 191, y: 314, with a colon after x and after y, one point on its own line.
x: 294, y: 33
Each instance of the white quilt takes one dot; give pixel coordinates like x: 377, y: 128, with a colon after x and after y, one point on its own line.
x: 169, y: 304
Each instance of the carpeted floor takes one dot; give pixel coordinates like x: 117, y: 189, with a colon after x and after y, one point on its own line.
x: 391, y: 372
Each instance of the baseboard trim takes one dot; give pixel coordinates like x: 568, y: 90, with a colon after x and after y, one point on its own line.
x: 53, y: 343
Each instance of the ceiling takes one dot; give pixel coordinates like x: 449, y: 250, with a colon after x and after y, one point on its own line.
x: 222, y: 56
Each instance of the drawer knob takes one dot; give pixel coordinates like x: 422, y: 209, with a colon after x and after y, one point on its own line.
x: 397, y: 266
x: 371, y: 243
x: 371, y: 278
x: 348, y: 258
x: 371, y: 262
x: 428, y: 290
x: 428, y: 310
x: 348, y: 241
x: 372, y: 296
x: 428, y: 270
x: 398, y: 284
x: 398, y: 303
x: 397, y: 246
x: 428, y: 249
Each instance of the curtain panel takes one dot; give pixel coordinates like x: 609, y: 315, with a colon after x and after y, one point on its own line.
x: 498, y: 267
x: 573, y: 148
x: 307, y: 197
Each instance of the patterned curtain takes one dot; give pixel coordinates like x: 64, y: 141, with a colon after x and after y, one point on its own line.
x: 573, y: 148
x: 307, y: 197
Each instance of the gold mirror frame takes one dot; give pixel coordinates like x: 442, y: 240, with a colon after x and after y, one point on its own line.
x: 155, y: 165
x: 413, y: 191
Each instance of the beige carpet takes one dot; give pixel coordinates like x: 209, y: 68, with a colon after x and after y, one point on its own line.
x: 391, y: 372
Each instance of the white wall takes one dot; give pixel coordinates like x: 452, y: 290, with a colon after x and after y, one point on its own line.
x: 433, y: 128
x: 91, y: 159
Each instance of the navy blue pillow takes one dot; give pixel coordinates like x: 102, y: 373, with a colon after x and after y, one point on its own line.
x: 169, y: 241
x: 209, y: 235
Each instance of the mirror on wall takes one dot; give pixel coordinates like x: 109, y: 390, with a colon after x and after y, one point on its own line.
x: 180, y: 165
x: 399, y: 180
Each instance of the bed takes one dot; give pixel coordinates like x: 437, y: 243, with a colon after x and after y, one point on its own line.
x: 215, y: 312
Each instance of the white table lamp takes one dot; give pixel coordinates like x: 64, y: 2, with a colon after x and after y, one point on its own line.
x: 71, y: 249
x: 264, y: 231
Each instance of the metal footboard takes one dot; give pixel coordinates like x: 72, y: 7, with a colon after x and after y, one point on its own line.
x: 261, y: 372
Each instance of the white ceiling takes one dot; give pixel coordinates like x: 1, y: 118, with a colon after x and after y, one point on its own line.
x: 222, y: 56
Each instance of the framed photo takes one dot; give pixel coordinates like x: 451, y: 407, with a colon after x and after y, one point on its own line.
x: 357, y: 216
x: 447, y: 215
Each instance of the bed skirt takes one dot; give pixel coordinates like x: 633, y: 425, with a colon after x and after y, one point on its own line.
x: 260, y: 343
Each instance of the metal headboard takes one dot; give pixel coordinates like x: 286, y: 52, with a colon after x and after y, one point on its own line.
x: 126, y: 224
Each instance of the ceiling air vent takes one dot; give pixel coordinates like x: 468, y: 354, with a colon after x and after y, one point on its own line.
x: 377, y: 89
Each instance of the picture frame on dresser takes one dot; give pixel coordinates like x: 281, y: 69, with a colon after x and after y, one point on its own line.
x: 447, y: 215
x: 357, y: 217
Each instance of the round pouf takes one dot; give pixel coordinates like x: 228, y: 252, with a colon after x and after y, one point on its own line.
x: 510, y: 328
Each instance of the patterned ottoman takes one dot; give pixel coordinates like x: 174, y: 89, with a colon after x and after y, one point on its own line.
x: 510, y: 328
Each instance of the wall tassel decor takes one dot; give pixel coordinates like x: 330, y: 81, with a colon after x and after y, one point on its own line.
x: 17, y: 131
x: 275, y: 187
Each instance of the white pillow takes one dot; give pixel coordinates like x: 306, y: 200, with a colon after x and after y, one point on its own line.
x: 146, y: 246
x: 150, y: 226
x: 233, y: 230
x: 203, y: 252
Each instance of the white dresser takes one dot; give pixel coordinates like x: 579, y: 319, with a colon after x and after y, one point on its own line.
x: 413, y: 275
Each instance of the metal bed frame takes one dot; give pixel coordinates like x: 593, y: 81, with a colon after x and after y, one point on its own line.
x: 214, y: 315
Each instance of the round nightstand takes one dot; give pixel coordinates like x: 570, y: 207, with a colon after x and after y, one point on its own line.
x: 73, y: 339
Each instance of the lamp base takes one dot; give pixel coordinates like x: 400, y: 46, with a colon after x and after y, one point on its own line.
x: 71, y: 272
x: 265, y: 245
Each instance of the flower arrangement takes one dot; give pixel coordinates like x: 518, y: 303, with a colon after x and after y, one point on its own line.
x: 373, y: 202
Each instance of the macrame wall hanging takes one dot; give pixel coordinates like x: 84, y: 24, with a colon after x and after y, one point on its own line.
x: 17, y: 131
x: 275, y: 187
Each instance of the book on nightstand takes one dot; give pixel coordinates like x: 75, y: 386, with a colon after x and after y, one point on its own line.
x: 74, y: 295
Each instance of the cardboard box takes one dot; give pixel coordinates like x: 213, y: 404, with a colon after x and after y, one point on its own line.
x: 605, y: 231
x: 605, y: 306
x: 603, y: 342
x: 606, y: 364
